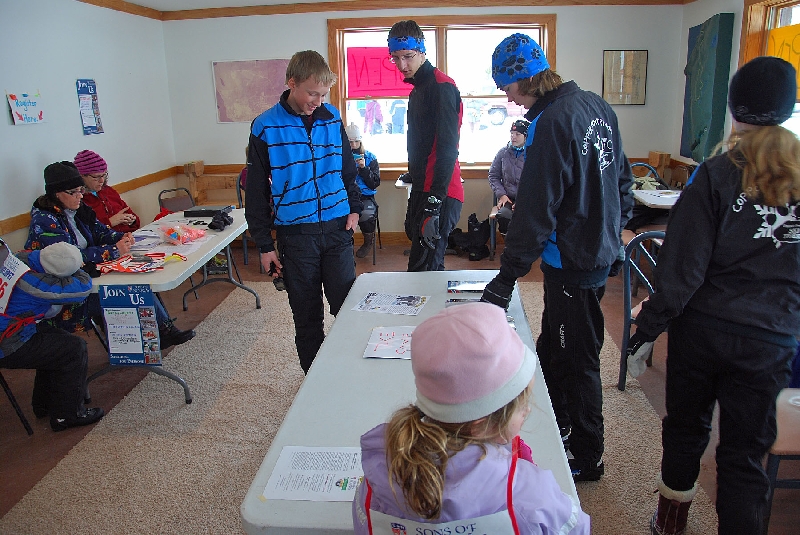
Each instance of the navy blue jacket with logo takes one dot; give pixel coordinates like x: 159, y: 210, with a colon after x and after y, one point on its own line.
x: 730, y: 262
x: 574, y: 194
x: 296, y: 175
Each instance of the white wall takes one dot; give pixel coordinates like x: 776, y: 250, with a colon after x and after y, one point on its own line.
x: 583, y: 33
x: 156, y: 91
x: 49, y: 44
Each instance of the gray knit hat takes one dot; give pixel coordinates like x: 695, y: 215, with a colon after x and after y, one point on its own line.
x: 61, y: 259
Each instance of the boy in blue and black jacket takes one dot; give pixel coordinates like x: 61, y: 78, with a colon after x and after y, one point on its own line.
x: 296, y: 159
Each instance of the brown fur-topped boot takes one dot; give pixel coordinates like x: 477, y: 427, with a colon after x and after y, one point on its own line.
x: 673, y: 510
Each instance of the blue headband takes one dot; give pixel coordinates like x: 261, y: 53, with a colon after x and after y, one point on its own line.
x: 406, y: 43
x: 517, y: 57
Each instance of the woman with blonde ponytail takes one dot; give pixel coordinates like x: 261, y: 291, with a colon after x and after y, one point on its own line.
x: 729, y: 289
x: 453, y: 462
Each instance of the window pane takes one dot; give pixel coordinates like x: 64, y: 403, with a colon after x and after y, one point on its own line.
x: 793, y: 123
x: 486, y: 127
x: 788, y: 16
x: 383, y: 127
x: 473, y: 72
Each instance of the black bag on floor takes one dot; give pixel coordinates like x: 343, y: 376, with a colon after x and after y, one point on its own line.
x: 478, y: 235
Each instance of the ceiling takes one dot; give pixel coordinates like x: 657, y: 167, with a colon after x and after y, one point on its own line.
x: 181, y: 5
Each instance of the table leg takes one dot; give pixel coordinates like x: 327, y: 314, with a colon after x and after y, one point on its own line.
x: 229, y: 279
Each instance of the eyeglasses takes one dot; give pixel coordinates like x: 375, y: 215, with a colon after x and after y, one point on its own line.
x: 404, y: 57
x: 99, y: 177
x: 76, y: 191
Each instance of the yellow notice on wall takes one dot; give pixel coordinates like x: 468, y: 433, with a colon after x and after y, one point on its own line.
x: 785, y: 44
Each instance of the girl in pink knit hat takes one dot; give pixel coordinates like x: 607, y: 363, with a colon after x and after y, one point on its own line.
x: 453, y: 462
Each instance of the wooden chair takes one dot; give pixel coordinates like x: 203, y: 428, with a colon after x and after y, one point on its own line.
x: 16, y: 406
x: 786, y: 446
x: 636, y: 251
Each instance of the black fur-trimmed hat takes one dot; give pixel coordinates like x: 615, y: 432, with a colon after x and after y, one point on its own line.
x: 763, y: 91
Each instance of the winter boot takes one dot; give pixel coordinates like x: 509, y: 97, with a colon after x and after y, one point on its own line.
x: 673, y: 510
x: 369, y: 237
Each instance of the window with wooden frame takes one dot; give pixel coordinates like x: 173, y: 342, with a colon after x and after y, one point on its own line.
x: 371, y: 93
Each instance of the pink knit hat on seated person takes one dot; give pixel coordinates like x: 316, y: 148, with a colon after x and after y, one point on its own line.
x: 90, y: 163
x: 468, y: 362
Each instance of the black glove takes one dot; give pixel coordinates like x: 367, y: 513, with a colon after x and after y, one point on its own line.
x: 640, y: 348
x: 405, y: 178
x: 220, y: 221
x: 498, y: 292
x: 429, y: 227
x: 618, y: 263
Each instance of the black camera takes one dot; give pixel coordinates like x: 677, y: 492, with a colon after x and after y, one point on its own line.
x: 278, y: 282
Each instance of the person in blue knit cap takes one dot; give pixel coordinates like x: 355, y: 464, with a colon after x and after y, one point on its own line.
x: 38, y: 284
x: 573, y: 201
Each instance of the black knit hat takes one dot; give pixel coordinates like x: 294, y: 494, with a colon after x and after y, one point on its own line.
x: 520, y: 126
x: 61, y: 176
x: 763, y: 91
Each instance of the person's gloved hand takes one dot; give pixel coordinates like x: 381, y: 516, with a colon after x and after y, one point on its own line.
x: 498, y: 292
x: 429, y: 227
x: 639, y: 348
x: 618, y: 263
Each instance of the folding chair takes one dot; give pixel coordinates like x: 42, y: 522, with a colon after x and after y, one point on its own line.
x: 493, y: 227
x: 786, y: 446
x: 651, y: 173
x: 16, y: 406
x: 176, y: 202
x: 245, y: 237
x: 376, y: 242
x: 635, y: 252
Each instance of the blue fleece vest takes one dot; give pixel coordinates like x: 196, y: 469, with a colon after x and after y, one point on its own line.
x: 307, y: 185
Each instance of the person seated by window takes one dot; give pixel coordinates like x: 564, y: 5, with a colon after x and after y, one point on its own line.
x: 368, y: 180
x: 51, y: 278
x: 505, y: 171
x: 60, y: 216
x: 109, y: 207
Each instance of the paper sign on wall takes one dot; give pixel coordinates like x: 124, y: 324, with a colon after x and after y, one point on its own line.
x: 131, y: 324
x: 26, y: 108
x: 89, y: 108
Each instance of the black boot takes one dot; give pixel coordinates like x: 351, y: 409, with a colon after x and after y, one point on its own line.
x: 172, y: 336
x: 369, y: 237
x: 86, y: 417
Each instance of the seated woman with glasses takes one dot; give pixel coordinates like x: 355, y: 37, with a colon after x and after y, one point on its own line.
x: 60, y: 216
x: 109, y: 207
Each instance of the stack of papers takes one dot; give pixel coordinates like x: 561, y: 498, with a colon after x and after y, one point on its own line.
x: 468, y: 291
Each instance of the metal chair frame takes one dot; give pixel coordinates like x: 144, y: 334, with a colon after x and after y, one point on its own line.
x: 635, y: 252
x: 16, y: 406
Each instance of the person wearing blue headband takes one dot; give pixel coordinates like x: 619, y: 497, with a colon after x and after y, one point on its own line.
x: 434, y: 124
x: 573, y: 201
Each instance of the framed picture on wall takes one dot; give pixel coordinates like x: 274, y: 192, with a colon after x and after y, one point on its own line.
x: 624, y: 76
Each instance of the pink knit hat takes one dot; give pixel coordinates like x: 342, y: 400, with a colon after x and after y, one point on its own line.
x: 468, y: 362
x: 90, y: 163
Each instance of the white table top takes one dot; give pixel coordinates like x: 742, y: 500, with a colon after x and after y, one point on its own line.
x: 345, y: 395
x: 174, y: 273
x: 657, y: 198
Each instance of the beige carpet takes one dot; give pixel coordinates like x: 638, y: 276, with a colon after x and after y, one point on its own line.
x: 157, y: 465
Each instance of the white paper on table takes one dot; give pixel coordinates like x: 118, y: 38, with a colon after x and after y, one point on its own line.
x: 409, y: 305
x: 389, y: 343
x: 327, y: 474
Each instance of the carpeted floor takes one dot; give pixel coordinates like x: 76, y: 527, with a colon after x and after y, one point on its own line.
x: 157, y: 465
